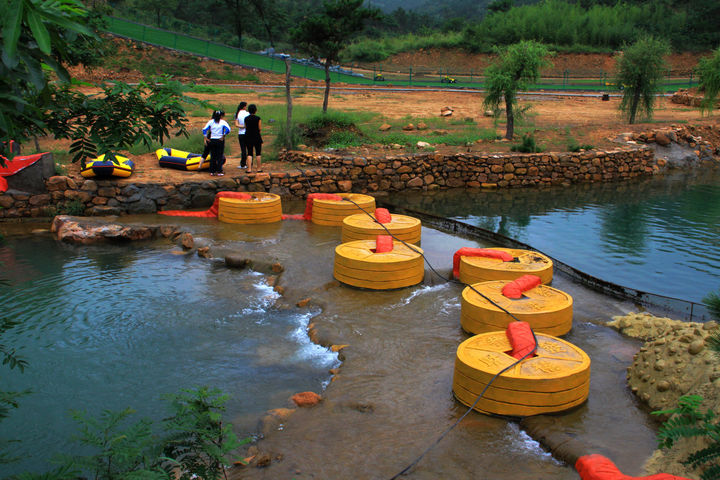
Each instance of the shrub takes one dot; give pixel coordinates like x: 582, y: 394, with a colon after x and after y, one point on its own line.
x: 331, y: 118
x: 281, y: 138
x: 688, y: 422
x: 528, y: 145
x: 199, y: 440
x: 573, y: 146
x: 344, y: 139
x: 72, y: 207
x: 195, y: 443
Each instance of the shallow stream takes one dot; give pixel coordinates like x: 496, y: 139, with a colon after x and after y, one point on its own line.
x: 111, y: 327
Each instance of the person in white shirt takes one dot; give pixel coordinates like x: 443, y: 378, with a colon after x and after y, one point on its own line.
x: 240, y: 115
x: 215, y: 129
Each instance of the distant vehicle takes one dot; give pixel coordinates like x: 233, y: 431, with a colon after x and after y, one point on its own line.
x: 447, y: 79
x: 379, y: 77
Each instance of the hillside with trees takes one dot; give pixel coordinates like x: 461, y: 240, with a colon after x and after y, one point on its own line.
x: 467, y: 25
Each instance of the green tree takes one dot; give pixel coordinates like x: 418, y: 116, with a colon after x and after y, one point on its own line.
x: 500, y: 6
x: 160, y: 7
x: 198, y: 439
x: 325, y: 34
x: 8, y: 399
x: 121, y: 117
x: 118, y: 450
x: 640, y: 70
x: 708, y: 70
x: 515, y: 68
x: 35, y: 36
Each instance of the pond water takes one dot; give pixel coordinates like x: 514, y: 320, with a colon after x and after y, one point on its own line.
x: 660, y: 235
x: 111, y: 327
x: 119, y: 326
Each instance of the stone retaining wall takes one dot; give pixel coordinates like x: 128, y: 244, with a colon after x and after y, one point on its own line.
x: 326, y: 172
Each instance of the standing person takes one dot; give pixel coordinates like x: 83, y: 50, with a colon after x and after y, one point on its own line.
x: 216, y: 128
x: 253, y: 139
x: 240, y: 115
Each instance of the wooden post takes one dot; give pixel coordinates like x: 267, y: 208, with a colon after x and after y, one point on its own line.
x: 288, y: 122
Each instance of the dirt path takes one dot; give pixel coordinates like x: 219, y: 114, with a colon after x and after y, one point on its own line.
x: 553, y: 120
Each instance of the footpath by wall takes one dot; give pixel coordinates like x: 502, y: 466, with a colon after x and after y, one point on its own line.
x: 327, y: 172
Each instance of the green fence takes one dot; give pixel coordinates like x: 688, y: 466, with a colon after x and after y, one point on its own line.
x: 366, y: 75
x: 199, y: 46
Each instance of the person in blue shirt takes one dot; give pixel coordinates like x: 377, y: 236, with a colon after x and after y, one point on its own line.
x: 215, y: 129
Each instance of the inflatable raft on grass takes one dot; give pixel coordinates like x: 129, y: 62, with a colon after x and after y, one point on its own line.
x: 108, y: 165
x: 171, y: 158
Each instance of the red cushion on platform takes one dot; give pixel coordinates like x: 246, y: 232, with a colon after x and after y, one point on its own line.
x: 521, y: 338
x: 478, y: 252
x: 382, y: 215
x: 320, y: 196
x: 515, y: 288
x: 383, y: 243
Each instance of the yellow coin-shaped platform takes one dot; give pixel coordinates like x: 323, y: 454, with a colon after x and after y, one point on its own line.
x: 332, y: 212
x: 364, y: 227
x: 556, y: 379
x: 546, y: 309
x: 259, y: 208
x: 357, y: 264
x: 483, y: 269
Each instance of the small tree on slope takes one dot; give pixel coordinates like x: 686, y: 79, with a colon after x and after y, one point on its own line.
x: 640, y: 71
x: 709, y: 78
x: 516, y: 67
x: 325, y: 34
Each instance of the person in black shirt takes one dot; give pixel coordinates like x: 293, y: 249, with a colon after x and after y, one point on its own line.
x: 253, y: 139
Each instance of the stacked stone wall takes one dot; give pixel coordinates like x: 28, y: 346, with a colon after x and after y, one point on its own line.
x: 325, y: 172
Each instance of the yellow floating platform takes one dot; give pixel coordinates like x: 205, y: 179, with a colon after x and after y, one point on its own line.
x: 546, y: 309
x: 333, y: 212
x: 259, y: 208
x: 363, y: 227
x: 557, y: 379
x: 357, y: 264
x: 483, y: 269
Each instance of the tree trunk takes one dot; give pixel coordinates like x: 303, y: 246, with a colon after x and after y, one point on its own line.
x: 510, y: 125
x: 288, y: 122
x: 238, y: 29
x: 634, y: 105
x: 260, y: 9
x: 327, y: 86
x: 235, y: 7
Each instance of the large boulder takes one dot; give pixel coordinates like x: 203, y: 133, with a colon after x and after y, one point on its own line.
x: 87, y: 231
